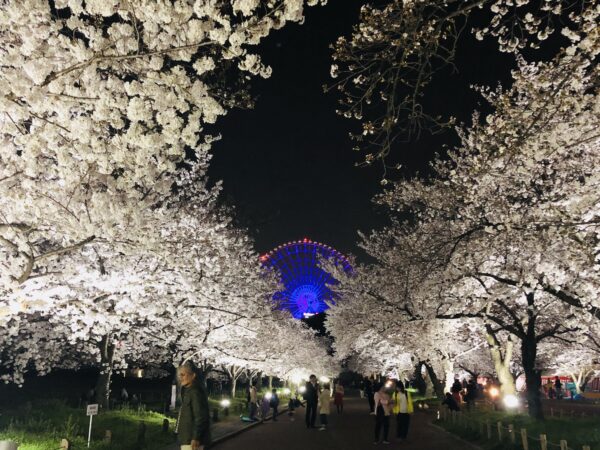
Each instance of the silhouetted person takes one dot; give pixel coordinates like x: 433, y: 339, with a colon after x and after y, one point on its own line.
x: 450, y: 402
x: 311, y: 395
x: 370, y: 395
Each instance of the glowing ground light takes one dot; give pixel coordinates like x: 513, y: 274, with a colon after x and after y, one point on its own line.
x: 306, y: 286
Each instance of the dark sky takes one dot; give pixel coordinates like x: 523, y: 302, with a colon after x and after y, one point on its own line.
x: 288, y: 165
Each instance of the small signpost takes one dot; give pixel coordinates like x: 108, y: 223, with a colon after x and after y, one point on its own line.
x: 92, y: 410
x: 173, y: 397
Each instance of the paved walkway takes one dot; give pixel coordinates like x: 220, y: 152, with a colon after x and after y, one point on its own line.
x: 351, y: 431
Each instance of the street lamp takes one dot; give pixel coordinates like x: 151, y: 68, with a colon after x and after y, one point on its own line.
x: 225, y: 404
x: 511, y: 401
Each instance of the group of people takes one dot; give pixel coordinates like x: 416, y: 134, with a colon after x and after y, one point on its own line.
x: 268, y: 402
x: 391, y: 398
x: 465, y: 392
x: 388, y: 399
x: 319, y: 399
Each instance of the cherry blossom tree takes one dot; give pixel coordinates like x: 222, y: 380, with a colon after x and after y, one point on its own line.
x: 101, y: 103
x: 506, y: 228
x: 398, y: 48
x: 112, y: 247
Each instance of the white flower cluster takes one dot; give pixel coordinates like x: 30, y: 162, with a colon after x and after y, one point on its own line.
x: 112, y: 248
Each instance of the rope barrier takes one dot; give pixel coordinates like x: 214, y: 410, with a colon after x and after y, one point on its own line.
x: 457, y: 417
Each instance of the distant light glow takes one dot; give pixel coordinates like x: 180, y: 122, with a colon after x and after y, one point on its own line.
x: 286, y: 391
x: 302, y: 389
x: 225, y: 403
x: 307, y: 287
x: 511, y: 401
x: 324, y: 379
x: 140, y: 373
x: 494, y: 392
x: 268, y: 395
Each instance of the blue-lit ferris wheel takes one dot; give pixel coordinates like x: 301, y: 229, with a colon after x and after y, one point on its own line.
x: 307, y: 287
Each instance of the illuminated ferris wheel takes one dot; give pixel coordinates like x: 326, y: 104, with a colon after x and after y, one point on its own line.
x: 307, y: 287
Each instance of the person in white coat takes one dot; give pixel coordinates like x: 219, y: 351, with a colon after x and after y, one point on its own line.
x: 324, y: 406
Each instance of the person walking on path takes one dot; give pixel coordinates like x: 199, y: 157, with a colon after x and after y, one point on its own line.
x: 253, y: 403
x: 324, y: 406
x: 338, y: 398
x: 193, y: 426
x: 274, y: 402
x: 265, y: 405
x: 311, y: 395
x: 383, y: 410
x: 370, y: 396
x: 403, y: 408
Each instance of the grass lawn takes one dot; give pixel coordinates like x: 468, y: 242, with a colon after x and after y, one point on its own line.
x: 576, y: 431
x: 41, y: 426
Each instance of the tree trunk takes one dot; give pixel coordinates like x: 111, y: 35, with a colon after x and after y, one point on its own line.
x: 502, y: 363
x: 233, y: 387
x: 532, y: 376
x: 448, y: 373
x: 438, y: 387
x: 419, y: 382
x: 270, y: 382
x: 107, y: 350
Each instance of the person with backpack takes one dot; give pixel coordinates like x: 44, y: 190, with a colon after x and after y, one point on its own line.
x: 383, y: 411
x: 403, y: 408
x: 274, y: 403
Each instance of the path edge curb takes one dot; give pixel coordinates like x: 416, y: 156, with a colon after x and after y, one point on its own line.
x: 232, y: 434
x: 458, y: 438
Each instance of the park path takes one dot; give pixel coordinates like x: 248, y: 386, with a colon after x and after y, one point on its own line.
x: 352, y: 430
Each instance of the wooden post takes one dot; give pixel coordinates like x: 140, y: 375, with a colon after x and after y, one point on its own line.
x: 489, y: 430
x: 524, y: 440
x: 499, y: 425
x: 585, y: 447
x: 551, y: 412
x: 563, y: 445
x: 543, y: 442
x: 511, y: 432
x: 64, y: 444
x: 141, y: 436
x: 108, y: 436
x: 165, y: 426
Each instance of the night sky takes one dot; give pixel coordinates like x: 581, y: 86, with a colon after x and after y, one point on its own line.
x: 288, y: 165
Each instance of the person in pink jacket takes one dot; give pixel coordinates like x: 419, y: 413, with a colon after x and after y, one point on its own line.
x: 383, y: 411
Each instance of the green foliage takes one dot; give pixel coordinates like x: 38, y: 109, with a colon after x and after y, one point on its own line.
x: 41, y: 426
x: 576, y: 431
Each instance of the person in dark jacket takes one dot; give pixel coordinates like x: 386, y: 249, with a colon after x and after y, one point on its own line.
x: 370, y: 395
x: 193, y: 424
x: 450, y: 402
x: 311, y: 395
x: 274, y: 403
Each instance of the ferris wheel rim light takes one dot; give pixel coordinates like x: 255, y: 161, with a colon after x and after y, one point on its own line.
x: 306, y: 284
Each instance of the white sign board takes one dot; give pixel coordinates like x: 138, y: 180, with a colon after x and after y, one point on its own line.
x: 8, y: 445
x: 92, y: 410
